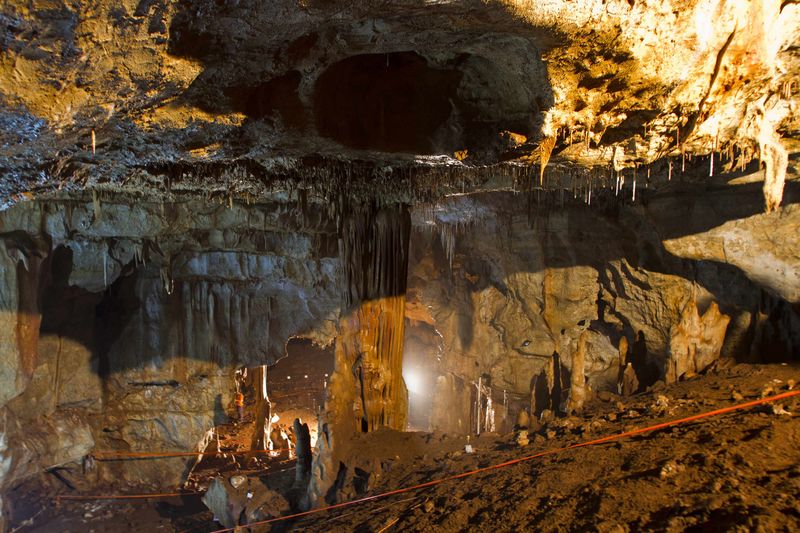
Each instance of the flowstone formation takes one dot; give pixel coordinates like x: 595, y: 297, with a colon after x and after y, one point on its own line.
x: 367, y: 391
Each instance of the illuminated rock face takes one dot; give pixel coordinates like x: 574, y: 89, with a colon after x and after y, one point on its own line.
x: 503, y: 294
x: 695, y: 341
x: 370, y: 347
x: 146, y: 311
x: 173, y: 90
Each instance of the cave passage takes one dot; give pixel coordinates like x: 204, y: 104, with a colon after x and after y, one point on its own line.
x: 297, y: 383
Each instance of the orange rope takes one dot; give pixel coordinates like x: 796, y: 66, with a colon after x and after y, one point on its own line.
x: 162, y: 495
x: 112, y: 456
x: 602, y: 440
x: 126, y: 496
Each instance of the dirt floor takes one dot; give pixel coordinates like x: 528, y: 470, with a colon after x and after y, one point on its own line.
x: 735, y: 472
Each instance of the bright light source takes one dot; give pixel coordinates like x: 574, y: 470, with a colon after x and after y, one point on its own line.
x: 288, y: 377
x: 413, y: 381
x: 305, y: 376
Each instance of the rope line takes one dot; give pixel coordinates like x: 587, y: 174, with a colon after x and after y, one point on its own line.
x: 125, y: 496
x: 114, y: 456
x: 553, y: 451
x: 83, y: 497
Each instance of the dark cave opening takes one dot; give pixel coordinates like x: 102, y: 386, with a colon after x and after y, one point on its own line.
x: 392, y: 102
x: 278, y: 95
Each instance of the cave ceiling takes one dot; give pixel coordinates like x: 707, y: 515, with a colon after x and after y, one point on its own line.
x: 404, y: 100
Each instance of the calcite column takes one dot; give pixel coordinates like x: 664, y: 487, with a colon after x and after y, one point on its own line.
x: 577, y: 388
x: 367, y: 389
x: 371, y: 345
x: 23, y: 260
x: 262, y: 410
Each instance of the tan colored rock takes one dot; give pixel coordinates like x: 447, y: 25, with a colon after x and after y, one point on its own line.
x: 523, y: 420
x: 623, y: 351
x: 577, y: 388
x: 695, y: 342
x: 629, y: 383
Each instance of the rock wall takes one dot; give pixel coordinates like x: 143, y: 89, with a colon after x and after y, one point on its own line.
x: 146, y: 312
x: 147, y: 309
x: 506, y: 292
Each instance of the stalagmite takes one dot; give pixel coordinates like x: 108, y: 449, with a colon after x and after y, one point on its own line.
x: 523, y: 420
x: 577, y: 388
x: 695, y: 341
x: 478, y: 406
x: 623, y: 351
x: 629, y: 383
x: 262, y: 410
x: 303, y: 448
x: 623, y: 362
x: 488, y: 423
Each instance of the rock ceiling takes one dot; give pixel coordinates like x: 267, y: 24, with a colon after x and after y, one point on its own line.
x: 409, y: 98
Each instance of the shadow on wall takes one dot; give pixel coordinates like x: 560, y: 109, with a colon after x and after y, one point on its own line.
x: 440, y: 93
x: 103, y: 320
x: 577, y: 236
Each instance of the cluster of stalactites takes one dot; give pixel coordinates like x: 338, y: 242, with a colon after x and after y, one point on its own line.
x: 373, y: 246
x: 368, y: 380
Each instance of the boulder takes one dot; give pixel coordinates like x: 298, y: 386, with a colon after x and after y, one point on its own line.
x: 238, y: 502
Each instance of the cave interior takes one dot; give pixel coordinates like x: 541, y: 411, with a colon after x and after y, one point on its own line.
x: 264, y: 260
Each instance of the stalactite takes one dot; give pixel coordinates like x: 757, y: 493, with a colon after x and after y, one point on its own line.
x: 776, y: 160
x: 138, y: 253
x: 447, y: 235
x: 545, y: 149
x: 166, y: 279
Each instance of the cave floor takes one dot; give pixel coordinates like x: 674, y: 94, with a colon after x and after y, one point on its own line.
x: 737, y: 471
